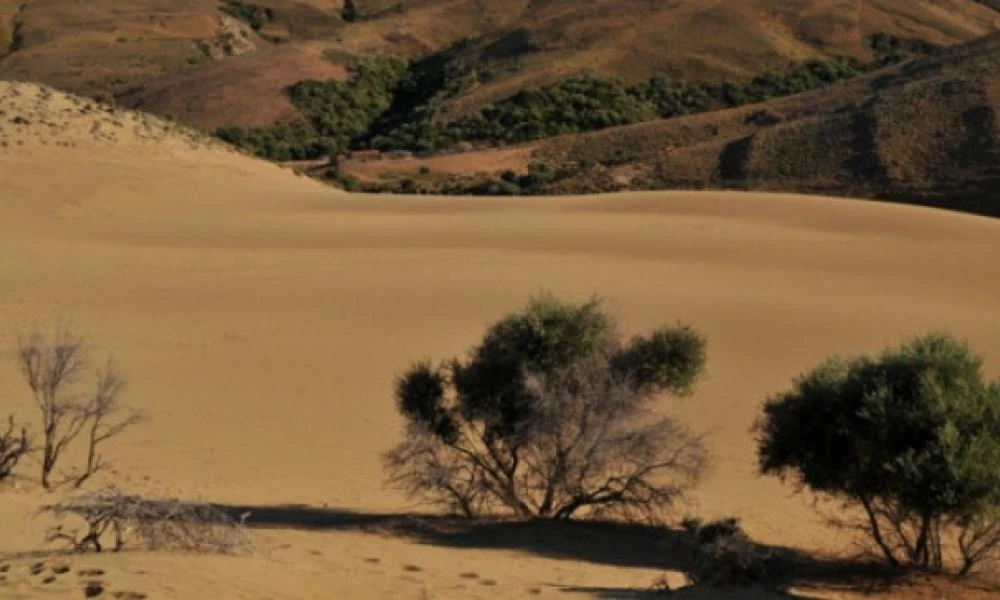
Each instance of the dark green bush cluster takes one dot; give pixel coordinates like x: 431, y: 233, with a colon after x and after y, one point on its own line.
x: 808, y: 76
x: 254, y: 15
x: 282, y: 142
x: 590, y: 102
x: 411, y: 123
x: 891, y: 49
x: 581, y: 103
x: 345, y: 110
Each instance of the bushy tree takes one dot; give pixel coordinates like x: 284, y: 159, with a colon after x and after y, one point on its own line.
x: 551, y: 416
x: 911, y: 437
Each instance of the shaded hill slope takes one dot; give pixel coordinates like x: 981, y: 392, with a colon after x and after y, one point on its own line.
x: 926, y: 131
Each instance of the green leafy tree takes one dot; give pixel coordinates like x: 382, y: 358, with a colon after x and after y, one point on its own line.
x: 551, y: 416
x: 911, y: 438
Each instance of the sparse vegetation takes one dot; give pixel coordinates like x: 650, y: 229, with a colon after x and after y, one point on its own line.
x: 551, y: 417
x: 911, y: 438
x: 253, y: 14
x: 138, y: 523
x: 891, y: 49
x: 54, y: 370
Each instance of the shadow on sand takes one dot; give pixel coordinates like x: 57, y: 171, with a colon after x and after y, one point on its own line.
x: 607, y: 543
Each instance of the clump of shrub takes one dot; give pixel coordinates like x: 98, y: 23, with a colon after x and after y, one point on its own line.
x: 725, y: 555
x: 254, y: 15
x: 890, y: 49
x: 551, y: 416
x: 910, y: 439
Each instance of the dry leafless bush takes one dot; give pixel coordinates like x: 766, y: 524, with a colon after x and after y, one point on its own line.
x: 136, y: 522
x: 55, y: 371
x: 14, y: 445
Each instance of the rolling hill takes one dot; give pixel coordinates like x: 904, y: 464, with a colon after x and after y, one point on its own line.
x: 189, y: 57
x: 926, y: 131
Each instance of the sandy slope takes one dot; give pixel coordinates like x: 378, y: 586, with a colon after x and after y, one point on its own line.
x: 261, y: 318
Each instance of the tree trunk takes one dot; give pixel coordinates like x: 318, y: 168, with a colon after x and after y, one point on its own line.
x: 876, y: 532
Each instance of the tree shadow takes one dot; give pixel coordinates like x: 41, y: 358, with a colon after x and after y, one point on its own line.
x: 607, y: 543
x: 689, y: 593
x: 797, y: 574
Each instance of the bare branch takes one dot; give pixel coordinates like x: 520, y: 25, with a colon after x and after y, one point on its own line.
x: 14, y: 446
x: 148, y: 524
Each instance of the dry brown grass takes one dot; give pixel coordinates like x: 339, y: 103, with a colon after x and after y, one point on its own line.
x: 250, y: 86
x: 480, y: 161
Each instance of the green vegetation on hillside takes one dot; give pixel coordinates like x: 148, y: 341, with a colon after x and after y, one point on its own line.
x: 890, y: 49
x: 390, y: 105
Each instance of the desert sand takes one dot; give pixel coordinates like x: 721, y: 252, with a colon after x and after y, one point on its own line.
x: 260, y: 318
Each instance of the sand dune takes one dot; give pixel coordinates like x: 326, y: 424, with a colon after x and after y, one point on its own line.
x: 261, y: 318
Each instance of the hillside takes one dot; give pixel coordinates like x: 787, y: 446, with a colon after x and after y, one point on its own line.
x: 925, y: 131
x: 190, y: 57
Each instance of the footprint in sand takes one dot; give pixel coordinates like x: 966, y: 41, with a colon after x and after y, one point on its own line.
x: 412, y: 568
x: 129, y: 595
x: 488, y: 582
x: 373, y: 560
x: 90, y: 572
x: 469, y: 575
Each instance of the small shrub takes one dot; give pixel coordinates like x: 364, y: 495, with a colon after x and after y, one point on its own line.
x: 725, y: 555
x: 349, y: 183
